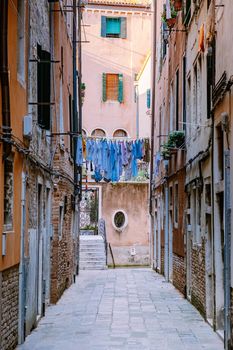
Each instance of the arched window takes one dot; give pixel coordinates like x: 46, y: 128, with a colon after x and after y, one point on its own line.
x: 84, y: 133
x: 98, y: 133
x: 120, y: 133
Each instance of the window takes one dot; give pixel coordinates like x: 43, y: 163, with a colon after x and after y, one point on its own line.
x: 112, y: 87
x: 177, y: 99
x: 71, y: 124
x: 189, y: 111
x: 199, y: 90
x: 148, y: 99
x: 176, y: 205
x: 184, y: 93
x: 98, y: 133
x: 8, y: 194
x: 120, y: 220
x: 171, y: 106
x: 43, y: 87
x: 164, y: 39
x: 84, y: 133
x: 61, y: 218
x: 21, y: 40
x: 195, y: 96
x: 120, y: 133
x: 61, y: 120
x: 113, y: 27
x: 196, y: 215
x: 220, y: 152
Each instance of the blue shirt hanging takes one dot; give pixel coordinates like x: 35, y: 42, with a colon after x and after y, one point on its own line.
x: 79, y: 151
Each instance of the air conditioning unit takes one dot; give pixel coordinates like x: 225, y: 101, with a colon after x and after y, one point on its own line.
x: 27, y: 127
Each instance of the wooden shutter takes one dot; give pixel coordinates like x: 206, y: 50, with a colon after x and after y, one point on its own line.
x: 112, y: 83
x: 148, y: 98
x: 120, y: 88
x: 123, y: 28
x: 43, y: 88
x: 104, y: 93
x: 103, y: 26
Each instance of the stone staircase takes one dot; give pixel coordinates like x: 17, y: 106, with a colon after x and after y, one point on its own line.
x: 92, y: 254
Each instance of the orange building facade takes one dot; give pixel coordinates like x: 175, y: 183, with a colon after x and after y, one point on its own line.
x: 38, y: 210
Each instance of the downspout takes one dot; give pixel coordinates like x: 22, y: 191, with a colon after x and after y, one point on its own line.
x: 79, y: 88
x: 166, y: 238
x: 153, y: 102
x: 4, y: 75
x: 75, y: 121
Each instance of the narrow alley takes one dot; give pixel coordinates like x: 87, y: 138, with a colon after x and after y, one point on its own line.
x: 122, y: 309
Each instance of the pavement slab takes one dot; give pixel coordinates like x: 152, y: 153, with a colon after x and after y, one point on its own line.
x: 122, y: 309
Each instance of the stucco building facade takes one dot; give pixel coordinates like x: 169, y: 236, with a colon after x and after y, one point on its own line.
x: 38, y: 219
x: 193, y: 95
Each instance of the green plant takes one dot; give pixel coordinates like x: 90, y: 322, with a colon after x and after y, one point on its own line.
x: 83, y: 86
x: 175, y: 140
x: 89, y: 228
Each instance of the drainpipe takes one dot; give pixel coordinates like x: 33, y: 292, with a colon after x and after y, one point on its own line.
x: 166, y: 236
x: 153, y: 101
x: 79, y: 88
x: 22, y: 287
x: 4, y: 75
x: 75, y: 119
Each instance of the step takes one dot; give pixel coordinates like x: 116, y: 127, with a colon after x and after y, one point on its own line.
x: 91, y: 238
x: 93, y: 258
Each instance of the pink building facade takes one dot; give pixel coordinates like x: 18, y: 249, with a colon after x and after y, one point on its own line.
x: 113, y: 31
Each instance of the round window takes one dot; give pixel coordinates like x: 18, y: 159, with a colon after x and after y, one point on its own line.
x: 119, y: 220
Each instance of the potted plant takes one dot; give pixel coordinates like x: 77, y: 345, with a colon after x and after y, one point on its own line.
x: 176, y: 138
x: 169, y: 21
x: 177, y: 4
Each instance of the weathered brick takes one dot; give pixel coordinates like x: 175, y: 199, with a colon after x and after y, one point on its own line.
x: 9, y: 308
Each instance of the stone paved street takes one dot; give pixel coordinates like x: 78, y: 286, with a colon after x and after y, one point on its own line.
x: 122, y: 309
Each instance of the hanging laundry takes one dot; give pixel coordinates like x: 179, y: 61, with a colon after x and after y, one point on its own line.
x: 110, y: 159
x: 79, y: 150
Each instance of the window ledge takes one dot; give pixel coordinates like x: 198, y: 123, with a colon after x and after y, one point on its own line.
x: 7, y: 231
x: 112, y: 102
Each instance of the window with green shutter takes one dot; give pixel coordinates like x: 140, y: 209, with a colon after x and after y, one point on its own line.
x: 113, y: 27
x: 148, y: 98
x: 112, y: 87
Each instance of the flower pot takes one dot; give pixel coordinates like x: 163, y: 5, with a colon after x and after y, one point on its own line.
x: 177, y: 5
x: 171, y: 22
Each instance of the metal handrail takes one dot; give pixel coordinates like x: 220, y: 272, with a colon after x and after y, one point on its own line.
x: 113, y: 261
x: 102, y: 232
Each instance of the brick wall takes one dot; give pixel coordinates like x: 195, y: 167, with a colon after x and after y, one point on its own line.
x: 64, y: 247
x: 179, y: 273
x: 9, y: 308
x: 198, y: 293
